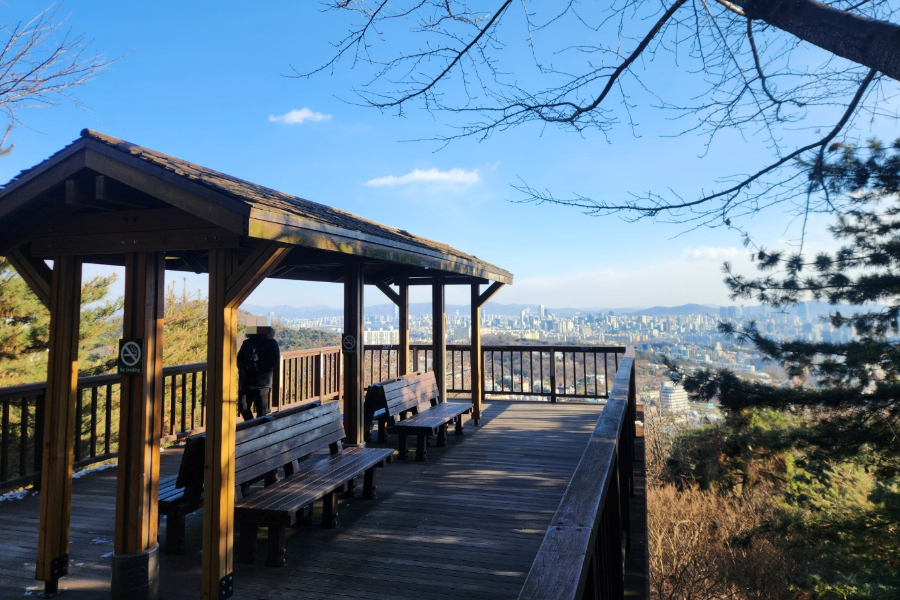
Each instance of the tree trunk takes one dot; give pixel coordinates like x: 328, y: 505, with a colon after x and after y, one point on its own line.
x: 875, y: 44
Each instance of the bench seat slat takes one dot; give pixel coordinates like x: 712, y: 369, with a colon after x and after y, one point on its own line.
x: 434, y: 417
x: 310, y: 483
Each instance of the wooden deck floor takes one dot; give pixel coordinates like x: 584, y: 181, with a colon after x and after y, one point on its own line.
x: 467, y: 523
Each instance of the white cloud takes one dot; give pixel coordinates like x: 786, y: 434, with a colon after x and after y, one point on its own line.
x: 296, y: 117
x: 709, y: 253
x: 453, y: 176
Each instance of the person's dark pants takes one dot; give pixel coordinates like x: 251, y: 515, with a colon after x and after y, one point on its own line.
x: 254, y: 399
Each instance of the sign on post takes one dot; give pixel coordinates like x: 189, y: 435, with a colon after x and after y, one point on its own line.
x: 348, y: 343
x: 131, y: 356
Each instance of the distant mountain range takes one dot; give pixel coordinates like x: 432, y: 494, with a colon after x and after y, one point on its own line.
x: 812, y: 309
x: 491, y: 308
x: 684, y: 309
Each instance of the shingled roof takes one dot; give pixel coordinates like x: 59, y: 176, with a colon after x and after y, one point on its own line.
x: 265, y: 205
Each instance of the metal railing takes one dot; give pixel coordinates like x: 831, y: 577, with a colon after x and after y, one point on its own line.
x: 582, y: 555
x: 528, y: 372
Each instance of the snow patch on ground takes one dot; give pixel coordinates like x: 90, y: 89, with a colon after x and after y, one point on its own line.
x: 14, y: 495
x: 84, y: 472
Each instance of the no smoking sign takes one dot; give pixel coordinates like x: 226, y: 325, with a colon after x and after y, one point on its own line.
x: 131, y: 356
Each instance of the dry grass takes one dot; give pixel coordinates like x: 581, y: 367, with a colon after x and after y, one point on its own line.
x: 701, y: 548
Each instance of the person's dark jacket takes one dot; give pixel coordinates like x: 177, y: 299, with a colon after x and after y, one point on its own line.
x: 256, y: 361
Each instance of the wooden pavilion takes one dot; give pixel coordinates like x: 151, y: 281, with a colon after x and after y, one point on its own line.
x: 106, y: 201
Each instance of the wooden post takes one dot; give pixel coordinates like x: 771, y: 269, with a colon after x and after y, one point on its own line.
x: 439, y: 336
x: 229, y: 286
x: 221, y: 411
x: 319, y: 368
x: 353, y: 357
x: 403, y: 307
x: 475, y: 354
x: 478, y: 300
x: 401, y: 300
x: 135, y: 566
x: 59, y: 422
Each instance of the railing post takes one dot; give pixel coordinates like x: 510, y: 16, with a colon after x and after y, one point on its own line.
x: 39, y: 402
x: 553, y: 375
x: 319, y: 368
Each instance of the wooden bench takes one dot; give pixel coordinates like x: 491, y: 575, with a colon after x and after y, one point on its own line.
x: 283, y: 504
x: 181, y: 494
x: 395, y: 404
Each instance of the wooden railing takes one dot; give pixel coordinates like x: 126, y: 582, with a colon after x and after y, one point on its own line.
x: 521, y: 372
x: 97, y: 407
x: 308, y: 375
x: 582, y: 555
x: 517, y: 372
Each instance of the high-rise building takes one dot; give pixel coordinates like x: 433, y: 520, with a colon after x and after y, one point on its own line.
x: 673, y: 398
x: 542, y: 311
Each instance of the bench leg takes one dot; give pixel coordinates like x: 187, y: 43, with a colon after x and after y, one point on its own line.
x: 329, y: 510
x: 404, y: 447
x: 369, y: 483
x: 442, y: 436
x: 247, y: 548
x: 175, y: 534
x: 382, y: 431
x: 420, y: 448
x: 459, y: 425
x: 304, y: 517
x: 275, y: 554
x: 289, y: 469
x: 349, y: 488
x: 271, y: 478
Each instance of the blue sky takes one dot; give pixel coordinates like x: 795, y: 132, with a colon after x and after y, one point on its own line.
x: 205, y: 81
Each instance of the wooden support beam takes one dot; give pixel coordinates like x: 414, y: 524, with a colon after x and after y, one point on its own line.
x: 488, y: 293
x: 80, y: 195
x: 256, y: 267
x: 117, y: 242
x: 387, y: 291
x: 448, y: 280
x: 35, y: 272
x: 221, y: 411
x: 401, y: 299
x: 439, y: 337
x: 353, y: 359
x: 403, y: 353
x: 59, y: 422
x: 140, y: 429
x: 476, y: 356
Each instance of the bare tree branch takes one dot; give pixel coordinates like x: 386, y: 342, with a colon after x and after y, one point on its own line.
x: 751, y: 66
x: 39, y: 64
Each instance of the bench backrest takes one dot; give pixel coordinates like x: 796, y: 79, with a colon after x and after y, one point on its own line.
x: 288, y: 436
x: 399, y: 395
x: 275, y: 428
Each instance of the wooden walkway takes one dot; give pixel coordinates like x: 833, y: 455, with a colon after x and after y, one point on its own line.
x: 467, y: 523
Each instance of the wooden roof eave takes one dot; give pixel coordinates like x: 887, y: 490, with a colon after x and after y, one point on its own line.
x: 38, y: 180
x: 169, y: 187
x: 296, y: 231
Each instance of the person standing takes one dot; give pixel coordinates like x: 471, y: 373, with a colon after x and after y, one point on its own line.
x: 256, y: 362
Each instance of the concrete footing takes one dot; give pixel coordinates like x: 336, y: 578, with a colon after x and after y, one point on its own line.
x: 136, y: 576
